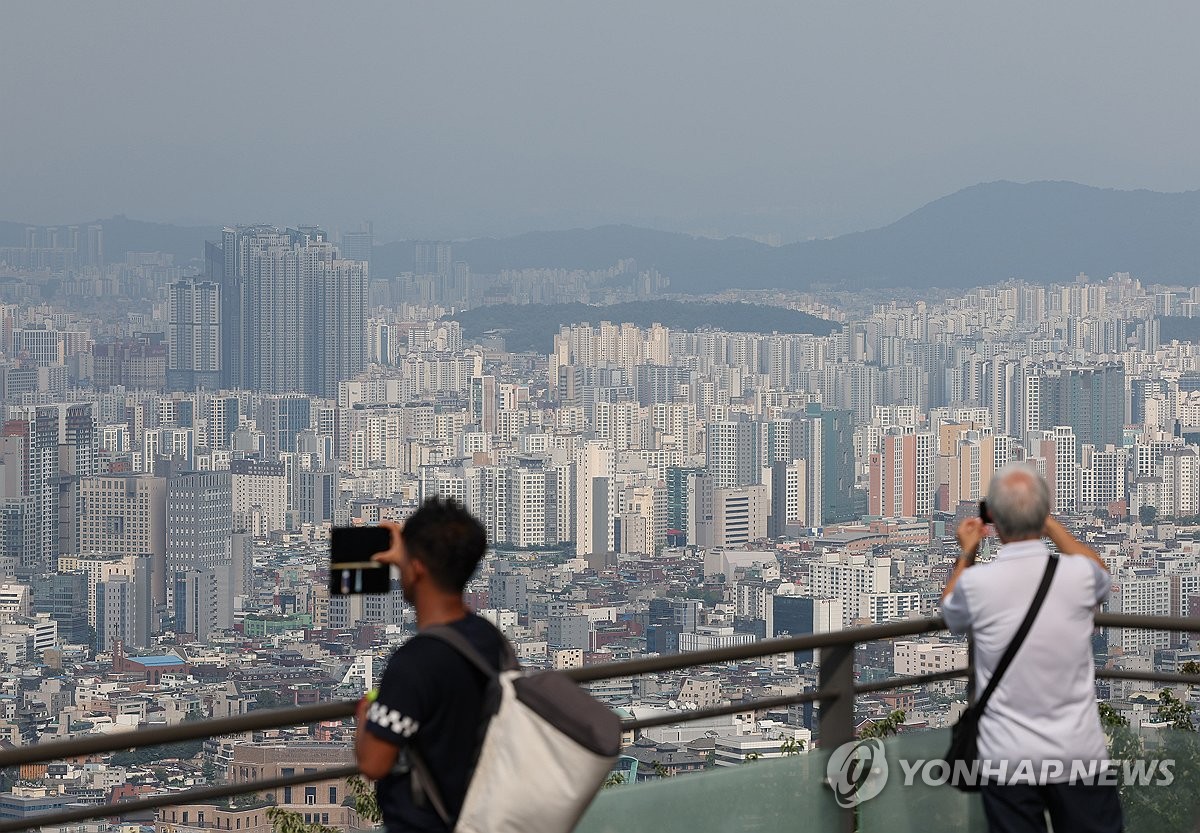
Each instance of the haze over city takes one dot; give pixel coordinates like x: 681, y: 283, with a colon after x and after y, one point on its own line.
x: 784, y: 121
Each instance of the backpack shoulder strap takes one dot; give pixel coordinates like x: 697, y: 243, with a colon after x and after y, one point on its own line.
x: 424, y: 785
x: 1022, y: 632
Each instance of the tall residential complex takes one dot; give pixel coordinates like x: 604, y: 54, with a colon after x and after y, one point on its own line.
x: 193, y: 334
x: 293, y: 311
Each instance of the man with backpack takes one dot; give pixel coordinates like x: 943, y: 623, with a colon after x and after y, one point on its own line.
x: 1039, y: 736
x: 457, y: 735
x: 430, y: 699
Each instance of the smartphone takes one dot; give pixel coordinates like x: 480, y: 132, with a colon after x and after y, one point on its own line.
x: 351, y: 570
x: 984, y: 514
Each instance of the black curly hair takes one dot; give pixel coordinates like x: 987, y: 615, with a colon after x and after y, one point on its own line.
x: 447, y: 539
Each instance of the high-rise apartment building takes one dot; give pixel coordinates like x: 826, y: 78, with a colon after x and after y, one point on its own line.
x: 595, y: 498
x: 734, y: 454
x: 193, y: 334
x: 902, y: 475
x: 293, y: 312
x: 260, y: 495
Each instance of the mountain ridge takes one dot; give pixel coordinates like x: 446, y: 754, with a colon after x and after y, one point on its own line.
x: 1046, y: 231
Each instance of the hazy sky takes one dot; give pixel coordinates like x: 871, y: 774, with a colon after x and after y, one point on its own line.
x: 454, y: 119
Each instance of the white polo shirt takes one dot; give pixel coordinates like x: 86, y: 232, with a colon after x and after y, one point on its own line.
x: 1044, y: 709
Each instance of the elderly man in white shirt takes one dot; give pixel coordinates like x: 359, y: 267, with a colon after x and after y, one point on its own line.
x: 1040, y: 742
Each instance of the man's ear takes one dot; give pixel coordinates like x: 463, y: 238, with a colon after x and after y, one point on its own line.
x: 417, y: 567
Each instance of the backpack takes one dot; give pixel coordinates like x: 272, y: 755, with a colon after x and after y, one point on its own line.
x: 546, y: 748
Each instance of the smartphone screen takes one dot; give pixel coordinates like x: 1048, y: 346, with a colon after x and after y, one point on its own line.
x: 351, y: 570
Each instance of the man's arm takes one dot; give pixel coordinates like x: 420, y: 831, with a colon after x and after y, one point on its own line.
x: 1068, y: 544
x: 970, y: 535
x: 375, y: 756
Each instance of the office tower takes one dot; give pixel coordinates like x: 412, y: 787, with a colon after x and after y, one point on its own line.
x: 681, y: 491
x: 79, y: 446
x: 595, y: 498
x: 241, y: 569
x: 43, y: 346
x: 734, y: 456
x: 64, y: 597
x: 193, y: 335
x: 902, y: 475
x: 293, y: 313
x: 734, y: 517
x: 359, y: 245
x: 317, y: 495
x: 803, y: 616
x: 126, y: 515
x: 199, y: 520
x: 281, y: 418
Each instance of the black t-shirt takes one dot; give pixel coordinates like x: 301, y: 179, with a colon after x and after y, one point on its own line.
x: 431, y: 696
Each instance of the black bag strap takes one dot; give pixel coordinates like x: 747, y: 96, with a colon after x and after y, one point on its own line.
x: 1019, y: 637
x: 424, y: 785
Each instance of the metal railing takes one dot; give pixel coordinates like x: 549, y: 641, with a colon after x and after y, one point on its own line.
x: 835, y: 691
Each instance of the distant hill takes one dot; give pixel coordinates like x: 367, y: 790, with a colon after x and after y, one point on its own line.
x: 1041, y: 231
x: 531, y: 327
x: 122, y: 235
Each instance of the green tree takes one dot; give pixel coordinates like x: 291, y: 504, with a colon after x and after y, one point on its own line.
x: 614, y: 779
x: 790, y: 745
x: 289, y: 821
x: 1147, y: 514
x: 1174, y: 711
x: 1158, y: 807
x: 883, y: 727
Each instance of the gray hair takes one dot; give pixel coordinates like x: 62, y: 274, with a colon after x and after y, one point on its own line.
x: 1019, y: 502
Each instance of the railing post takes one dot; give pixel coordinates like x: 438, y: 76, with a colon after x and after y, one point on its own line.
x: 837, y: 714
